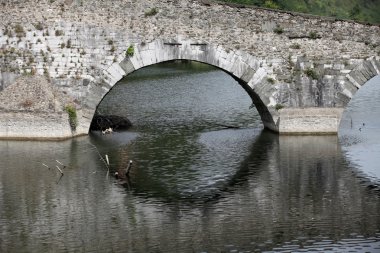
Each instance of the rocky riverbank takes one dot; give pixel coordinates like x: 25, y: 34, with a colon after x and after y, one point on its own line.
x: 32, y: 108
x: 32, y: 94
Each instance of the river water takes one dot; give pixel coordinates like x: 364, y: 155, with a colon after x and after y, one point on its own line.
x: 196, y: 184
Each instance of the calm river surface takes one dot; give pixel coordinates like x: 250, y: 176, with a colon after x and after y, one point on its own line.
x: 195, y: 185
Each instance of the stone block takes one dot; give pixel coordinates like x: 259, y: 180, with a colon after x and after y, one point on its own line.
x: 127, y: 65
x: 368, y: 70
x: 353, y: 80
x: 376, y: 65
x: 257, y: 77
x: 248, y: 74
x: 309, y: 120
x: 343, y: 98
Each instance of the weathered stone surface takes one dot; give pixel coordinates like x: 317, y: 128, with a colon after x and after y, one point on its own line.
x: 24, y: 125
x: 32, y: 94
x: 33, y: 108
x: 309, y: 120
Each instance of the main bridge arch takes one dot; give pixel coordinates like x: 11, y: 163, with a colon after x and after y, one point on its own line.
x: 254, y: 75
x: 244, y: 68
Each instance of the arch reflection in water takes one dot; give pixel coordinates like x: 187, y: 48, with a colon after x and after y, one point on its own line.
x: 286, y: 190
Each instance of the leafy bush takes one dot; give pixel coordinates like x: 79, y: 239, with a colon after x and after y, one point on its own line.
x: 363, y: 10
x: 270, y: 4
x: 130, y: 51
x: 72, y: 112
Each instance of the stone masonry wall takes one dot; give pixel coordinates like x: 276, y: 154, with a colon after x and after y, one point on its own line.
x: 288, y: 60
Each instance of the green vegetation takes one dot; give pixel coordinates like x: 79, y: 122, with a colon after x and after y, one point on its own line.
x: 313, y: 35
x: 271, y: 4
x: 72, y: 112
x: 130, y: 51
x: 151, y: 12
x: 7, y: 32
x: 295, y: 46
x: 360, y: 10
x: 311, y: 73
x: 46, y: 73
x: 278, y: 30
x: 31, y: 60
x: 271, y: 80
x: 59, y: 33
x: 39, y: 26
x: 19, y: 31
x: 278, y: 107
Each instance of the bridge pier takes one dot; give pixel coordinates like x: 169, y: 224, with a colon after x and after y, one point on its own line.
x: 308, y: 121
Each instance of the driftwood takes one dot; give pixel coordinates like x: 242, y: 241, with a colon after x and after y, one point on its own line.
x: 59, y: 169
x: 213, y: 124
x: 128, y: 168
x: 228, y: 126
x: 102, y: 159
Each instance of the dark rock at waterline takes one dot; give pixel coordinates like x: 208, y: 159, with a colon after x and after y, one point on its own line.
x: 102, y: 122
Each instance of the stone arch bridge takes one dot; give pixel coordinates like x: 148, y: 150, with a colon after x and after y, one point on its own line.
x: 300, y: 70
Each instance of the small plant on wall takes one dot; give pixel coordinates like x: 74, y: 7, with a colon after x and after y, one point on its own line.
x: 19, y: 31
x: 278, y: 107
x: 72, y: 112
x: 151, y: 12
x: 311, y: 73
x: 278, y: 30
x: 271, y: 80
x: 313, y: 35
x: 130, y: 51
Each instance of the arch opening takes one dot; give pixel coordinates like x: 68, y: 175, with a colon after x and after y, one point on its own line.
x: 182, y: 89
x: 359, y: 128
x: 241, y: 66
